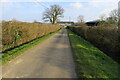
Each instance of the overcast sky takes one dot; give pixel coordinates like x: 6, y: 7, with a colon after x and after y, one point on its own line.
x: 30, y: 10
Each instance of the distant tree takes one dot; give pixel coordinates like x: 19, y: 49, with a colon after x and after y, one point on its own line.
x: 14, y: 20
x: 102, y: 17
x: 35, y: 21
x: 3, y: 21
x: 114, y: 16
x: 53, y: 13
x: 80, y: 19
x: 112, y: 20
x: 119, y: 15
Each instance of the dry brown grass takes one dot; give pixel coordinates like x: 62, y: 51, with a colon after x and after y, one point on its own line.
x: 15, y: 33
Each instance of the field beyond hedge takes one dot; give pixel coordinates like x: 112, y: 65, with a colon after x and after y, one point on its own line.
x: 15, y: 33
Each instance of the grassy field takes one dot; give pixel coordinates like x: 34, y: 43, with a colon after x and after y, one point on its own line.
x: 90, y: 61
x: 19, y: 50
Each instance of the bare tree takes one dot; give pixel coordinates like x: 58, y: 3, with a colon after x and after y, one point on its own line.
x: 102, y: 17
x: 119, y: 14
x: 80, y: 19
x: 114, y: 16
x: 53, y: 13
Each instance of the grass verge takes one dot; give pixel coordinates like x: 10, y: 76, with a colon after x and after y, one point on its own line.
x: 90, y: 61
x: 19, y: 50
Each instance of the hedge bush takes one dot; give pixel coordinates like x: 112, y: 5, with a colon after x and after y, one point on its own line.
x: 105, y: 38
x: 15, y: 33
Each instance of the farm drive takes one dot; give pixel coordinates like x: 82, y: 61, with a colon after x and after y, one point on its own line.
x: 49, y: 59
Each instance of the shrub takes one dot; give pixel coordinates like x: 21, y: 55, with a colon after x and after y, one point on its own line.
x: 105, y: 38
x: 15, y: 32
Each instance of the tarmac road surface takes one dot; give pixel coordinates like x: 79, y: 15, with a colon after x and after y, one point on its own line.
x: 49, y: 59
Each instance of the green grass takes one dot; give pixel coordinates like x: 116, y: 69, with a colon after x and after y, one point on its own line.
x: 17, y: 51
x: 90, y: 61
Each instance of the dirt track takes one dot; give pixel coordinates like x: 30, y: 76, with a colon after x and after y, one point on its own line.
x: 49, y: 59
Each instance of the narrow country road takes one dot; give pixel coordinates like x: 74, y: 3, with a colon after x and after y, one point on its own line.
x: 49, y: 59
